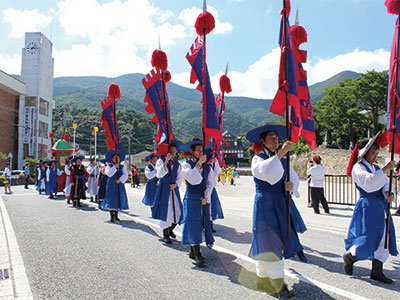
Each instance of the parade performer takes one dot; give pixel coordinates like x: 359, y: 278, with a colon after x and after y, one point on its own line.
x: 67, y: 170
x: 366, y: 235
x: 52, y: 174
x: 134, y: 176
x: 78, y: 177
x: 151, y: 186
x: 230, y: 175
x: 195, y: 217
x: 42, y: 177
x: 115, y: 197
x: 93, y: 171
x: 167, y: 201
x: 103, y: 181
x: 222, y: 176
x: 37, y: 174
x: 235, y: 175
x: 270, y: 242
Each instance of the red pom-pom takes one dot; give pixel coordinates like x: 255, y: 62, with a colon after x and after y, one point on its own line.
x: 66, y: 137
x: 257, y: 148
x: 166, y: 76
x: 162, y: 149
x: 299, y: 34
x: 159, y: 60
x: 225, y: 84
x: 51, y: 134
x: 204, y: 21
x: 186, y: 154
x: 392, y: 6
x: 114, y: 91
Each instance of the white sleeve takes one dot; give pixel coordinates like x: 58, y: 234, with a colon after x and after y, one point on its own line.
x: 369, y: 182
x: 67, y: 170
x: 192, y: 176
x: 217, y: 168
x: 309, y: 171
x: 48, y: 174
x: 124, y: 175
x: 179, y: 176
x: 295, y: 179
x: 210, y: 184
x: 110, y: 171
x: 59, y: 172
x: 149, y: 174
x: 269, y: 170
x: 161, y: 171
x: 90, y: 169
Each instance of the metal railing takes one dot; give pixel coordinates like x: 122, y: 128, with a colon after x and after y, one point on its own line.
x: 340, y: 189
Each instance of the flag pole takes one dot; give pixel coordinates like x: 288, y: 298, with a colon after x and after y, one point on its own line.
x: 287, y: 120
x: 203, y: 121
x: 393, y: 134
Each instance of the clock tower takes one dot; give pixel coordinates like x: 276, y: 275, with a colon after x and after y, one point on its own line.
x: 37, y: 74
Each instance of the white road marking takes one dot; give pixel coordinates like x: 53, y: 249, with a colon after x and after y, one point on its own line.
x: 20, y: 284
x: 290, y: 274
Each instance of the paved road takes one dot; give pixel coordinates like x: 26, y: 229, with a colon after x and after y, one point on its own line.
x: 73, y: 253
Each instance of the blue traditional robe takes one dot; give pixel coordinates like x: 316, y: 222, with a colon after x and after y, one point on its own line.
x: 163, y: 196
x: 115, y: 197
x: 269, y: 220
x: 367, y: 225
x: 151, y: 185
x: 52, y: 174
x: 193, y: 210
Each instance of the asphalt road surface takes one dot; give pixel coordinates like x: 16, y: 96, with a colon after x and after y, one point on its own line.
x: 76, y: 253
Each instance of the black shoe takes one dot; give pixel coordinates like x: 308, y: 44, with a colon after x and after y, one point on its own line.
x: 377, y: 272
x: 116, y: 215
x: 171, y: 231
x: 349, y: 261
x: 212, y: 227
x: 166, y: 239
x: 191, y: 253
x: 198, y: 258
x: 91, y: 199
x: 51, y: 196
x: 285, y: 293
x: 74, y: 203
x: 78, y: 203
x: 112, y: 216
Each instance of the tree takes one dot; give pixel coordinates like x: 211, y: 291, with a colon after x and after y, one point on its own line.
x: 371, y: 90
x: 338, y: 114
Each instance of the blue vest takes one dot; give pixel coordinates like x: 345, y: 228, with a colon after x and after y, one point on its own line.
x: 52, y: 186
x: 161, y: 199
x: 368, y: 222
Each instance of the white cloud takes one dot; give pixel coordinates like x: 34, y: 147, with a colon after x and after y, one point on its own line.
x: 11, y: 64
x: 183, y: 79
x: 260, y: 80
x: 25, y: 20
x: 319, y: 69
x: 189, y: 16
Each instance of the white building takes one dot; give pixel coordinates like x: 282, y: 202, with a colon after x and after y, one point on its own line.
x: 37, y: 110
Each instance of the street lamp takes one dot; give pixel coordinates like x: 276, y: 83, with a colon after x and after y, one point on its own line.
x: 74, y: 126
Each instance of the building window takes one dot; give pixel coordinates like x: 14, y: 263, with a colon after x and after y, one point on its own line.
x: 235, y: 143
x: 30, y: 101
x: 43, y: 129
x: 44, y: 108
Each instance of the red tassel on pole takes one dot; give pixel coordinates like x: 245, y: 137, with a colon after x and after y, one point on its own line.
x: 392, y: 6
x: 159, y: 60
x: 205, y: 21
x: 114, y: 91
x: 299, y: 34
x: 225, y: 84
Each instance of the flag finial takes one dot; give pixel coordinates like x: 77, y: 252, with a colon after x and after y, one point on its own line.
x: 226, y: 69
x: 297, y: 22
x: 204, y: 5
x: 159, y: 41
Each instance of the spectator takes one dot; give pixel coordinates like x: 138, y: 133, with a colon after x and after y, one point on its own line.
x: 235, y: 175
x: 27, y: 172
x: 351, y: 146
x: 317, y: 173
x: 7, y: 179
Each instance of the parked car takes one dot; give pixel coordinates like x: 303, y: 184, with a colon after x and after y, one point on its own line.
x: 17, y: 174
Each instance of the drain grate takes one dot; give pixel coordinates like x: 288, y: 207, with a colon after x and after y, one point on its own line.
x: 4, y: 274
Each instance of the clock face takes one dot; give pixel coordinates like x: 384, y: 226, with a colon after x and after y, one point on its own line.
x: 32, y: 48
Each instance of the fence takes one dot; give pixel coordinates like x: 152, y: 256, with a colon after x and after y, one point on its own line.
x: 340, y: 189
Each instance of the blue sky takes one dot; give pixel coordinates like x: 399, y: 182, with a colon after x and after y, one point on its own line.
x: 115, y: 37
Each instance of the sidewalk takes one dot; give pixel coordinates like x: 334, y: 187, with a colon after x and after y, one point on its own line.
x: 13, y: 280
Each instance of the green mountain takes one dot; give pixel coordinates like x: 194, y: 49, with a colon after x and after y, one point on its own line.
x: 317, y: 90
x: 86, y: 93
